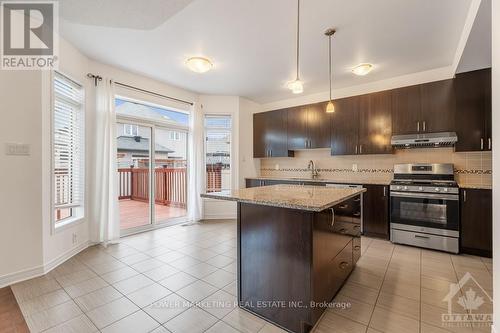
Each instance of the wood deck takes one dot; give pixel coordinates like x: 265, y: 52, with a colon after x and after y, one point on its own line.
x: 136, y: 213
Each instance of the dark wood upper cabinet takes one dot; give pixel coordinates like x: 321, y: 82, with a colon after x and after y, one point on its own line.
x: 376, y: 211
x: 406, y: 110
x: 473, y: 111
x: 476, y: 222
x: 270, y: 134
x: 297, y: 128
x: 375, y: 129
x: 319, y: 126
x: 345, y: 126
x: 308, y: 127
x: 438, y: 107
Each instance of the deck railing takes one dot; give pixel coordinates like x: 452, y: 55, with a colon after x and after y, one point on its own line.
x: 170, y: 185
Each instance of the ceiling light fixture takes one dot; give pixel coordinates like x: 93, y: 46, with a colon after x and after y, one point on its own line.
x: 297, y: 87
x: 330, y: 108
x: 362, y: 69
x: 199, y: 64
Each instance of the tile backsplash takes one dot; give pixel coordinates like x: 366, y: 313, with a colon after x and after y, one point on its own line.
x: 471, y: 169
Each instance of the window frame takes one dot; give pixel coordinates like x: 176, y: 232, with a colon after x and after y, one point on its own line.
x: 229, y: 130
x: 79, y: 212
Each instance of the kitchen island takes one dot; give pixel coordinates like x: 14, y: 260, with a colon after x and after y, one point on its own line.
x: 296, y: 247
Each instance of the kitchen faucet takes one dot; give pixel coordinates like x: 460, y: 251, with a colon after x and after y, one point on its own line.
x: 312, y: 167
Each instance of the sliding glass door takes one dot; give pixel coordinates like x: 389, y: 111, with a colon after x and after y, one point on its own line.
x: 152, y: 160
x: 133, y: 143
x: 170, y: 169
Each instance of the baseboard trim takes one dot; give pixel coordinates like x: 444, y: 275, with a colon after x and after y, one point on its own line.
x: 63, y: 257
x: 30, y: 273
x: 220, y: 217
x: 22, y: 275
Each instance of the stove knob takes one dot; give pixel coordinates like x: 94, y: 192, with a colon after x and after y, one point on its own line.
x: 405, y: 188
x: 445, y: 190
x: 420, y: 188
x: 437, y: 189
x: 398, y: 188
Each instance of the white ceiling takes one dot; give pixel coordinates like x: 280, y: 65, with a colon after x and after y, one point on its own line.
x: 252, y: 43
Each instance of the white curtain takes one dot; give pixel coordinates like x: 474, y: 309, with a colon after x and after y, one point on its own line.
x: 196, y: 165
x: 105, y: 222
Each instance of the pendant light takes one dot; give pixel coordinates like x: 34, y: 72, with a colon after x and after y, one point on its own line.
x: 330, y: 108
x: 296, y: 86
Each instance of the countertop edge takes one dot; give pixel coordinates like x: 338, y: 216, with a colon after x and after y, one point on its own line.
x: 327, y: 181
x: 281, y: 205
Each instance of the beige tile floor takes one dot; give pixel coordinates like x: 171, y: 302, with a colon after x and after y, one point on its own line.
x: 183, y: 279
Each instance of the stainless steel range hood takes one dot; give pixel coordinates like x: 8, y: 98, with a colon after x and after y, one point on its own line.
x: 427, y: 140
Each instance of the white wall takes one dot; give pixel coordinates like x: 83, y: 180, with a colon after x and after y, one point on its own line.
x: 249, y: 166
x: 20, y: 176
x: 496, y: 163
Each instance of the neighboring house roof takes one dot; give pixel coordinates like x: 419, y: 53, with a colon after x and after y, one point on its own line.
x: 142, y: 111
x: 138, y: 144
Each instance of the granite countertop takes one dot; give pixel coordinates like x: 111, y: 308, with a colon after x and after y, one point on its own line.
x: 329, y: 181
x: 475, y: 187
x: 303, y: 197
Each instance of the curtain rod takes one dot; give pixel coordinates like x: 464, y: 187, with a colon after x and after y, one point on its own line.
x: 152, y: 93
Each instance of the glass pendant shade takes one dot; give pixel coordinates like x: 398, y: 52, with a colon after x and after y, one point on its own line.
x: 330, y: 108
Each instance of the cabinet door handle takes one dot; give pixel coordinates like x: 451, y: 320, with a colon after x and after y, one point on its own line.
x: 356, y: 149
x: 489, y: 143
x: 423, y: 126
x: 418, y: 126
x: 361, y: 149
x: 482, y: 143
x: 270, y: 153
x: 357, y: 247
x: 333, y: 217
x: 465, y: 196
x: 385, y: 190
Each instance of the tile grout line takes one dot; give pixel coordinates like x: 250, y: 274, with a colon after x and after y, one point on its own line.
x: 380, y: 290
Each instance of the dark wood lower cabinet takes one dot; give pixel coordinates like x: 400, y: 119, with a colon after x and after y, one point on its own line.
x: 476, y: 234
x: 376, y: 211
x: 290, y: 260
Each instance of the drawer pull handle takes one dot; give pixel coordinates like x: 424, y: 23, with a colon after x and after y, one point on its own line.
x: 333, y: 217
x: 356, y: 227
x: 343, y: 206
x: 420, y: 236
x: 357, y: 248
x: 357, y: 200
x: 344, y: 265
x: 357, y: 214
x: 342, y: 231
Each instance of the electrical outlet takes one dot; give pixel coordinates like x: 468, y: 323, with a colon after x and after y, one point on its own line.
x: 17, y: 149
x: 355, y: 167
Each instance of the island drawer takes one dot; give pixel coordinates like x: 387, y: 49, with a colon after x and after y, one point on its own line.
x: 342, y: 266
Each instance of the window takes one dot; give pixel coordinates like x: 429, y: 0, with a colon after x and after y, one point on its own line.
x: 131, y: 130
x: 144, y: 111
x: 218, y: 152
x: 68, y: 150
x: 175, y: 136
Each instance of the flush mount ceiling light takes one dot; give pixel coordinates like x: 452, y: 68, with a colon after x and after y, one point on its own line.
x: 330, y: 108
x: 362, y: 69
x: 297, y: 86
x: 199, y: 64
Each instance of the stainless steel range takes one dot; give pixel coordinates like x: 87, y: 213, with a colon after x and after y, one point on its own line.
x: 425, y: 206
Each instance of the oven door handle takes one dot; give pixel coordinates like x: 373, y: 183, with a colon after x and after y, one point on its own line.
x: 452, y: 197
